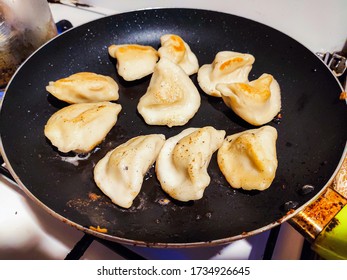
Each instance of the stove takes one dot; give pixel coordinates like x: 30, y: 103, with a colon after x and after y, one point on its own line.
x: 31, y: 233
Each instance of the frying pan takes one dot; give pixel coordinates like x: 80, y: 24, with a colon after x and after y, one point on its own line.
x: 310, y: 145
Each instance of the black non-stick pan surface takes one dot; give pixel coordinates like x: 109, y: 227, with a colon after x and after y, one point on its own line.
x: 310, y: 145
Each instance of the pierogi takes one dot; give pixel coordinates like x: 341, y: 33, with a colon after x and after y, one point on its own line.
x: 178, y: 51
x: 81, y: 127
x: 134, y: 61
x: 171, y: 98
x: 227, y: 67
x: 120, y: 173
x: 84, y: 87
x: 248, y: 159
x: 182, y: 163
x: 257, y: 102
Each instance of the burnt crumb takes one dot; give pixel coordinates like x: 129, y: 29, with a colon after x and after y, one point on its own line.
x: 306, y: 189
x: 163, y: 201
x: 343, y: 96
x: 98, y: 229
x: 277, y: 119
x: 290, y: 205
x: 208, y: 215
x: 288, y: 144
x: 93, y: 196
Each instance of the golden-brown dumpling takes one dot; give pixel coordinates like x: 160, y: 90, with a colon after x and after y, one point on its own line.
x: 134, y: 61
x: 84, y: 87
x: 248, y: 159
x: 178, y: 51
x: 81, y: 127
x: 171, y: 98
x: 181, y: 166
x: 257, y: 102
x: 120, y: 173
x: 227, y: 67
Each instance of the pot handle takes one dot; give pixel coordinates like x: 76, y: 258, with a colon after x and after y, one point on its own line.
x: 324, y: 222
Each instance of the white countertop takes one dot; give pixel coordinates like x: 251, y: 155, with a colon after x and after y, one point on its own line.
x: 30, y: 233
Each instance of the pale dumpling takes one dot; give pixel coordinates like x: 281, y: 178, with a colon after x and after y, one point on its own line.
x: 181, y: 167
x: 134, y: 61
x: 248, y: 159
x: 81, y: 127
x: 227, y: 67
x: 178, y: 51
x: 120, y: 173
x: 171, y: 98
x: 257, y: 102
x: 84, y: 87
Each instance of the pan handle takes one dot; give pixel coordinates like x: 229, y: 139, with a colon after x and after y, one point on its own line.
x: 324, y: 222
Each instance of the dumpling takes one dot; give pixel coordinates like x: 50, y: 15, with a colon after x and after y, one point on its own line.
x: 171, y: 98
x: 178, y: 51
x: 120, y: 173
x: 134, y: 61
x: 227, y: 67
x: 257, y: 102
x: 181, y: 167
x: 84, y: 87
x: 248, y: 159
x: 81, y: 127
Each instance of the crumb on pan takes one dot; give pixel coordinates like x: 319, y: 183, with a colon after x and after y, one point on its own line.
x: 93, y: 196
x: 98, y: 229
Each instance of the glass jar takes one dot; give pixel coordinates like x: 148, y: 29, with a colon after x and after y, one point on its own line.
x: 25, y: 25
